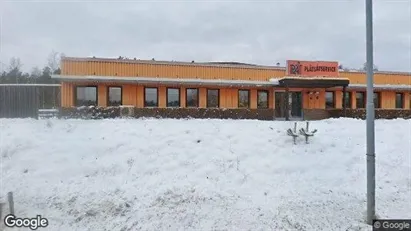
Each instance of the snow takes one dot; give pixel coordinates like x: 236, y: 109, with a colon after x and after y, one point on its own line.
x: 383, y: 86
x: 274, y: 81
x: 164, y: 80
x: 313, y: 78
x: 48, y: 110
x: 152, y: 174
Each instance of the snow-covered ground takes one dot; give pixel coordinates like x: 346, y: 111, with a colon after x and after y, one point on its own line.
x: 202, y: 174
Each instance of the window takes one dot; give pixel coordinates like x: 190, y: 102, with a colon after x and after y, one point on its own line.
x: 399, y: 100
x: 150, y: 97
x: 243, y: 98
x: 86, y: 96
x: 360, y: 99
x: 191, y: 97
x: 173, y: 97
x: 329, y: 99
x: 347, y: 100
x: 114, y: 96
x: 213, y: 98
x: 410, y: 99
x: 377, y: 100
x: 262, y: 99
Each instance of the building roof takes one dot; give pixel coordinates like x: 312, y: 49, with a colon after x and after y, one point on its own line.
x: 317, y: 82
x: 161, y: 80
x: 210, y: 64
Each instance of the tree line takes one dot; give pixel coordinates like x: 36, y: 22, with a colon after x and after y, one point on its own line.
x: 13, y: 73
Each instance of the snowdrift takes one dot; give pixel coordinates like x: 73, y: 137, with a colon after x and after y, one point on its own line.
x: 150, y: 174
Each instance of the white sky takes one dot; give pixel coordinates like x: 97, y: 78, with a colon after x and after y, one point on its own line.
x: 260, y: 32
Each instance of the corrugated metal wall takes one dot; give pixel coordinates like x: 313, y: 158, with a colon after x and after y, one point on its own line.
x: 105, y: 68
x: 361, y: 78
x: 70, y: 67
x: 19, y: 102
x: 134, y: 94
x: 23, y: 101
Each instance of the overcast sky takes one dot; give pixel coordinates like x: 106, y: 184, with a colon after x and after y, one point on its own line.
x: 260, y: 32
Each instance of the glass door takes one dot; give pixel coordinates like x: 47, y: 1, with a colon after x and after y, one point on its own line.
x: 296, y: 104
x: 279, y: 104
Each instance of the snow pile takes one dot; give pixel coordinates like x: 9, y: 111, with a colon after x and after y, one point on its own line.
x: 150, y: 174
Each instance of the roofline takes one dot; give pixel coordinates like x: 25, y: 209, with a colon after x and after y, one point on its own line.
x: 161, y: 80
x: 181, y: 63
x: 30, y: 85
x: 213, y: 64
x: 381, y: 87
x: 273, y: 82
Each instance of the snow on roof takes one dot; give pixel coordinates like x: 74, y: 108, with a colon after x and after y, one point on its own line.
x: 275, y: 81
x: 163, y: 80
x: 382, y: 86
x: 313, y: 78
x: 271, y: 82
x: 210, y: 64
x: 30, y: 85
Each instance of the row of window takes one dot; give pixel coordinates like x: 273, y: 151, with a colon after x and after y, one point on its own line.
x: 361, y: 100
x: 86, y: 96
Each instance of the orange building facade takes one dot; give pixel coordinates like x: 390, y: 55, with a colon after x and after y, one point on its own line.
x: 287, y: 91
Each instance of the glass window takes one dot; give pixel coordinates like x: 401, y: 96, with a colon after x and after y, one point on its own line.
x: 262, y: 99
x: 329, y: 99
x: 377, y: 100
x: 347, y: 100
x: 173, y: 97
x: 360, y: 99
x: 191, y: 97
x: 399, y: 100
x: 86, y: 96
x: 213, y: 98
x: 114, y: 96
x: 150, y: 97
x: 243, y: 98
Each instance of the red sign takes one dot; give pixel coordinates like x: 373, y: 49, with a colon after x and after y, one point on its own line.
x: 312, y: 68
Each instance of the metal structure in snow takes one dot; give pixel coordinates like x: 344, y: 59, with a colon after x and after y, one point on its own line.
x: 293, y: 133
x: 306, y: 132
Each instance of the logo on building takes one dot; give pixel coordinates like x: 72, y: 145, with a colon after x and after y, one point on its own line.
x: 312, y: 68
x: 295, y: 69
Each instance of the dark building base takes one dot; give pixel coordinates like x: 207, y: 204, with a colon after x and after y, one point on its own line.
x: 379, y: 113
x: 315, y: 114
x: 208, y: 113
x: 176, y: 113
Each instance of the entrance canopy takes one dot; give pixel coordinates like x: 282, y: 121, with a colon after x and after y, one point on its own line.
x: 320, y: 82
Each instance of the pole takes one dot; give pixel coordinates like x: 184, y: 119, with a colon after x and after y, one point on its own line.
x: 370, y: 116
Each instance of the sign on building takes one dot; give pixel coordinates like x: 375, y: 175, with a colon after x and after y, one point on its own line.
x: 311, y: 68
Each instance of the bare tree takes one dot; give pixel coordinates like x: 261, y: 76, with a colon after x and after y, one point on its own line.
x: 53, y: 61
x: 15, y: 64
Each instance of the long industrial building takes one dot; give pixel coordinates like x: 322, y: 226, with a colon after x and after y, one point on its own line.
x: 286, y: 92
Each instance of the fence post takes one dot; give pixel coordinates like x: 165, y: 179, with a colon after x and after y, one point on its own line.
x: 11, y: 202
x: 1, y: 216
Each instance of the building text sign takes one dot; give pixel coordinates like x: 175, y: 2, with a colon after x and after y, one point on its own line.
x: 311, y: 68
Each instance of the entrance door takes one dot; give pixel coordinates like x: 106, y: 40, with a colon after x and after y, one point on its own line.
x: 279, y: 104
x: 294, y: 104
